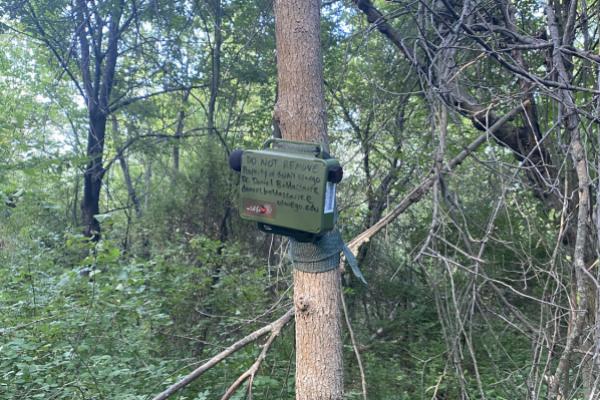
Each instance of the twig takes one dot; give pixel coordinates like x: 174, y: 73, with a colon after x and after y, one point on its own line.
x: 251, y: 372
x: 10, y: 329
x: 363, y: 381
x: 225, y: 353
x: 417, y: 193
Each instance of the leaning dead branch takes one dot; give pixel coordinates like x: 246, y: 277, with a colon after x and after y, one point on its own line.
x: 251, y: 372
x: 274, y: 328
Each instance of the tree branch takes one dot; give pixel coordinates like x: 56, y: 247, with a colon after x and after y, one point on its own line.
x: 251, y: 372
x: 482, y: 117
x: 363, y: 381
x: 278, y: 324
x: 106, y: 84
x: 121, y: 150
x: 511, y: 67
x: 61, y: 61
x: 84, y: 64
x: 417, y: 193
x: 118, y: 105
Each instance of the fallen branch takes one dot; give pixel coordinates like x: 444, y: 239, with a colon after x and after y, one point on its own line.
x: 278, y: 324
x: 251, y: 372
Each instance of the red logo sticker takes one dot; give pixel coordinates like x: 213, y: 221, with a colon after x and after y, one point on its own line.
x: 259, y: 209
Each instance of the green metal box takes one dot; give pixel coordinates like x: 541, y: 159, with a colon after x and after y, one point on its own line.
x: 287, y: 188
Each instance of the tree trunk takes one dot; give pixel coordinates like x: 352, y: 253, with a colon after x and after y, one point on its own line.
x: 92, y: 177
x: 300, y: 111
x: 215, y: 79
x: 147, y: 181
x: 125, y: 169
x: 179, y: 132
x: 97, y: 68
x: 582, y: 307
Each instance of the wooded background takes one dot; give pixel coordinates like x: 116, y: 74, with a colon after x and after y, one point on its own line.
x: 469, y: 135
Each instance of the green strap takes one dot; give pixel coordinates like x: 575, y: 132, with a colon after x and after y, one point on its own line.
x: 353, y: 263
x: 323, y: 255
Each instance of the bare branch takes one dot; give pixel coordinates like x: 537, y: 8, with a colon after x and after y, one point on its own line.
x: 251, y: 372
x: 121, y: 150
x: 62, y: 61
x: 118, y: 105
x: 363, y: 381
x: 417, y: 193
x: 278, y: 324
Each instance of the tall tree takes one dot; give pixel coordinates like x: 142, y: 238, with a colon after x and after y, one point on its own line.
x: 97, y: 64
x: 300, y: 113
x: 84, y: 38
x: 88, y: 39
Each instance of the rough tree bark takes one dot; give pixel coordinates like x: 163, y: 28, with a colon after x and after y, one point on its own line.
x: 300, y: 114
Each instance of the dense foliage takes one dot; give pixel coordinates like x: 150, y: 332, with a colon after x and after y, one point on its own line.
x: 474, y: 289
